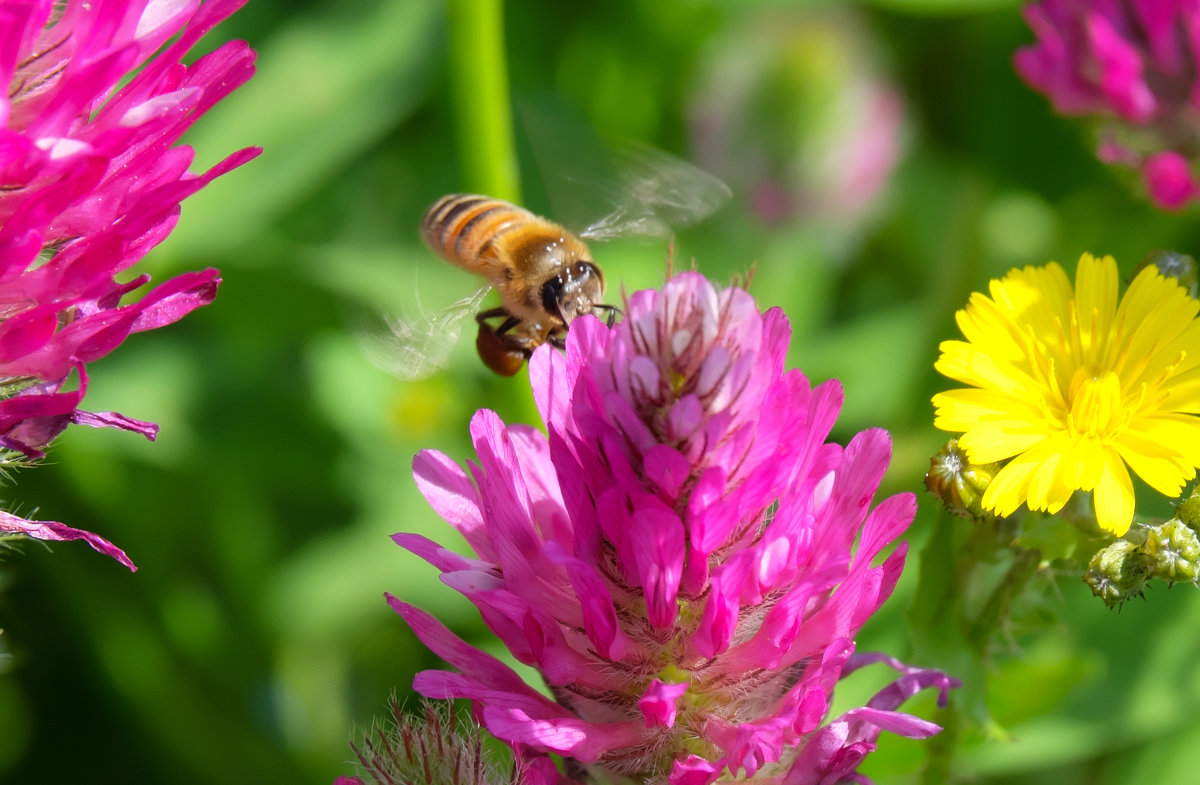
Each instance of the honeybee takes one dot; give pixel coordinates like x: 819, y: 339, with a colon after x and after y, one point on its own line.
x: 545, y: 275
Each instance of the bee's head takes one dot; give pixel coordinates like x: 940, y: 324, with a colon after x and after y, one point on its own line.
x: 573, y: 292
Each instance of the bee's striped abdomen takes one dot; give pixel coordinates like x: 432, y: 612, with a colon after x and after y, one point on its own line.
x: 459, y: 227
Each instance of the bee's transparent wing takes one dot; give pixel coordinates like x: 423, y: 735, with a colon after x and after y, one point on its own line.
x: 414, y: 348
x: 640, y: 190
x: 655, y: 194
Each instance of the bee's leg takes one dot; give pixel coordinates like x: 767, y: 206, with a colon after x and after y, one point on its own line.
x: 513, y: 334
x: 613, y: 312
x: 508, y: 324
x: 501, y: 349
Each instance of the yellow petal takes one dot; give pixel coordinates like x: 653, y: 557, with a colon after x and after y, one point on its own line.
x: 985, y: 324
x: 1082, y: 463
x: 1095, y: 303
x: 1163, y: 452
x: 1155, y: 313
x: 1034, y: 295
x: 1169, y: 433
x: 1045, y: 490
x: 991, y: 442
x: 1009, y: 489
x: 1114, y: 496
x: 973, y: 404
x: 1181, y: 392
x: 975, y: 366
x: 995, y: 427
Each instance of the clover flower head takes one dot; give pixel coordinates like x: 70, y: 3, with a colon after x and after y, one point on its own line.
x: 1071, y: 386
x: 794, y: 110
x: 684, y: 557
x: 91, y: 177
x: 1134, y: 65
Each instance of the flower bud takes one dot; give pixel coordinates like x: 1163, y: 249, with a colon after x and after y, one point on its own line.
x: 1189, y: 510
x: 1118, y: 573
x: 1173, y: 264
x: 1174, y: 550
x: 958, y: 482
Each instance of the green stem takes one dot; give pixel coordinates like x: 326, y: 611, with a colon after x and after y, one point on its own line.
x: 480, y: 93
x: 940, y: 748
x: 947, y: 635
x: 995, y: 610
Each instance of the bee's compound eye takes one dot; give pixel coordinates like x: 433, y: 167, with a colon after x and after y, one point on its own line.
x: 551, y: 290
x: 573, y: 292
x: 497, y: 354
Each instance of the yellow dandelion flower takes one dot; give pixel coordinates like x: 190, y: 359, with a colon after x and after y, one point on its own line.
x: 1072, y: 385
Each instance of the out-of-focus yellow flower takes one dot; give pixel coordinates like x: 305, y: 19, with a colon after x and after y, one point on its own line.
x: 1072, y: 385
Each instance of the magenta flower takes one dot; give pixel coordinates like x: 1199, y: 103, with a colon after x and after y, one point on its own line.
x: 677, y: 558
x: 91, y: 179
x: 1133, y: 64
x: 11, y: 525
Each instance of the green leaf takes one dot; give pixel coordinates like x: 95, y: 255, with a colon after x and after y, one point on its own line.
x: 325, y: 92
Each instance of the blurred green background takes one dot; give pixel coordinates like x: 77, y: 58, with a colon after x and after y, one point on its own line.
x: 885, y: 160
